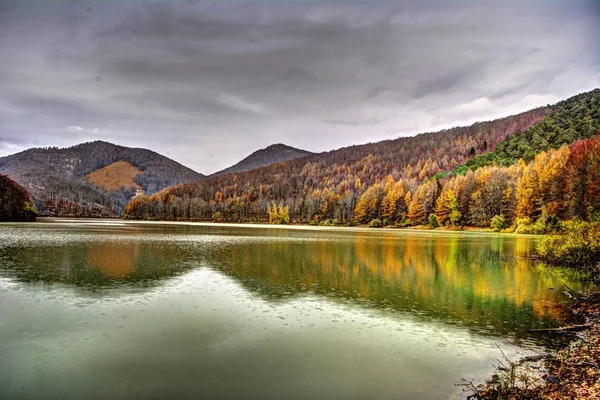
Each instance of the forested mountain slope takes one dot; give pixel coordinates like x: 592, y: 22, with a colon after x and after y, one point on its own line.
x: 15, y: 203
x: 575, y: 118
x: 272, y: 154
x: 329, y: 185
x: 56, y: 178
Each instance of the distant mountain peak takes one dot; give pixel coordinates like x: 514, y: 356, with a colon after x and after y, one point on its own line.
x: 272, y: 154
x: 279, y: 146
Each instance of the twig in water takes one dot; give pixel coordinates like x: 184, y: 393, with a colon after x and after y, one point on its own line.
x: 562, y: 328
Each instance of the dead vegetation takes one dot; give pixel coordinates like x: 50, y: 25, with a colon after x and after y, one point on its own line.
x: 116, y: 175
x: 571, y: 373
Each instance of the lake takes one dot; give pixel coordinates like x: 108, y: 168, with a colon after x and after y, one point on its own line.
x: 146, y: 310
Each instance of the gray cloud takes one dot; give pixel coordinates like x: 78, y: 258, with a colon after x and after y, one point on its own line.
x: 194, y: 78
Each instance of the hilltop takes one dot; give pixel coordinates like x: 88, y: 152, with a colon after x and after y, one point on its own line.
x: 272, y: 154
x: 91, y: 179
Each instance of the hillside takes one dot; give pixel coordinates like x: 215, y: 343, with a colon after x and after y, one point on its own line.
x: 329, y: 185
x: 15, y: 203
x: 575, y: 118
x: 56, y: 178
x: 272, y: 154
x: 115, y: 176
x: 406, y: 181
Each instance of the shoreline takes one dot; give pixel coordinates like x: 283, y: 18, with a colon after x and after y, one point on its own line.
x: 362, y: 227
x: 569, y: 373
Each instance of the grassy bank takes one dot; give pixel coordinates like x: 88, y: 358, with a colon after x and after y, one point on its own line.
x: 577, y: 245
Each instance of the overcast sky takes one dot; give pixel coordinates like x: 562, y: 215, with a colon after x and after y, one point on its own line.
x: 208, y: 82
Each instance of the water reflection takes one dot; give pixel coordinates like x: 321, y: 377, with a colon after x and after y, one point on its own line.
x: 130, y: 310
x: 204, y: 336
x: 113, y: 260
x: 90, y: 259
x: 484, y: 281
x: 487, y: 282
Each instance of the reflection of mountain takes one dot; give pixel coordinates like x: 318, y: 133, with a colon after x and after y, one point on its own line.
x: 96, y: 263
x: 486, y: 282
x: 465, y: 280
x: 113, y: 259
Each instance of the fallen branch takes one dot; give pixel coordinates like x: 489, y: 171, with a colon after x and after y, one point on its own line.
x: 583, y: 364
x: 575, y: 294
x: 563, y: 328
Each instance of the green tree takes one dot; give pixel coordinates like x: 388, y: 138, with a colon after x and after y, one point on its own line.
x: 455, y: 214
x: 498, y: 223
x: 433, y: 222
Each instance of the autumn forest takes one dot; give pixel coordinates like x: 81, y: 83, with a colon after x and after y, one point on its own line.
x: 524, y: 172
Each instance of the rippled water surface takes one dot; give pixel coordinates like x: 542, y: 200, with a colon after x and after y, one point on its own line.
x: 126, y: 310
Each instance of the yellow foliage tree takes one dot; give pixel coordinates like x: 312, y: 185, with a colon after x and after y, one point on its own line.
x: 445, y: 206
x: 278, y: 214
x: 367, y: 207
x: 423, y: 203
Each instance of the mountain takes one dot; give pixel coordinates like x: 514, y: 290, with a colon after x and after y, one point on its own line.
x: 272, y: 154
x: 91, y: 179
x: 326, y: 184
x: 15, y: 203
x: 571, y: 119
x: 460, y: 176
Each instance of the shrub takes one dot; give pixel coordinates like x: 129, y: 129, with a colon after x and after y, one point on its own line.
x: 29, y: 211
x: 404, y: 222
x: 386, y: 221
x: 547, y: 223
x: 523, y: 225
x: 498, y: 223
x: 577, y: 245
x: 375, y: 223
x: 217, y: 217
x: 433, y: 221
x: 593, y: 214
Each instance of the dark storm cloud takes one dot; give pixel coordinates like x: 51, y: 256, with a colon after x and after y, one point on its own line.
x: 194, y: 78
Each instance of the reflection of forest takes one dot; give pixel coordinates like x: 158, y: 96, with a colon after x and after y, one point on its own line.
x: 467, y: 279
x: 482, y: 281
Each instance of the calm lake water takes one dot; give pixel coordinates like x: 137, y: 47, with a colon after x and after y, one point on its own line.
x: 133, y: 310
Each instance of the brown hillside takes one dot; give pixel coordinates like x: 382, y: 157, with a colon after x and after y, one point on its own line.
x: 115, y: 175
